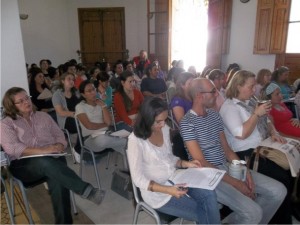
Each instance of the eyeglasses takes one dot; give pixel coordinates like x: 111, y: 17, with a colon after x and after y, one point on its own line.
x: 213, y: 91
x: 23, y: 100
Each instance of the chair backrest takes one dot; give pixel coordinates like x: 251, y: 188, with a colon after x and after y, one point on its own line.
x: 113, y: 114
x: 79, y: 132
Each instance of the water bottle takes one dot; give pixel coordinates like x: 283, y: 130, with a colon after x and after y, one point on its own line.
x: 237, y: 169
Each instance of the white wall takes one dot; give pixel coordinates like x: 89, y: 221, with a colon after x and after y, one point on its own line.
x: 13, y: 70
x: 242, y: 39
x: 52, y: 30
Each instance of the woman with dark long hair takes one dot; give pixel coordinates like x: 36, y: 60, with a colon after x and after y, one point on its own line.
x: 127, y: 102
x: 152, y: 164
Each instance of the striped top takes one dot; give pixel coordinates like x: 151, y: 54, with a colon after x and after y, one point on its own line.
x: 206, y: 131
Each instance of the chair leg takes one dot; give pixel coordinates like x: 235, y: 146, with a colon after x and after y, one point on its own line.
x: 70, y: 144
x: 10, y: 212
x: 73, y: 203
x: 136, y: 214
x: 107, y: 160
x: 26, y: 203
x: 96, y: 171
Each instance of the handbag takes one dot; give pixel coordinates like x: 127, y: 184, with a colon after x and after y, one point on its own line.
x: 272, y: 154
x: 121, y: 183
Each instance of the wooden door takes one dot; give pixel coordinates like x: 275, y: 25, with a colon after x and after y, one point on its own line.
x: 102, y: 35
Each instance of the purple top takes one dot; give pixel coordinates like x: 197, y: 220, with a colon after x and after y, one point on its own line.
x: 178, y: 101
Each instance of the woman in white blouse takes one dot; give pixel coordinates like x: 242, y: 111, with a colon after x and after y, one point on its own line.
x: 246, y: 125
x: 152, y: 164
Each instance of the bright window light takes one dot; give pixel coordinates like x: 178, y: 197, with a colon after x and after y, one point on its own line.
x: 189, y: 32
x: 293, y: 37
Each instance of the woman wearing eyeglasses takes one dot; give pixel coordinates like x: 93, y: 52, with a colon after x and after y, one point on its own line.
x: 25, y: 133
x: 127, y: 102
x: 94, y: 118
x: 246, y: 126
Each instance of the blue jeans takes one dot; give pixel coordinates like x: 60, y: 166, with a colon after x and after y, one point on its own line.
x: 60, y: 179
x: 123, y: 126
x: 202, y: 207
x: 269, y: 196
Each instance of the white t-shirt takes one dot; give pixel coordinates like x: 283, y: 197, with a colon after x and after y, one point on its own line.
x: 234, y: 116
x: 94, y: 114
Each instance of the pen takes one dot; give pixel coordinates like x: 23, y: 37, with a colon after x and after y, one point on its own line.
x: 171, y: 182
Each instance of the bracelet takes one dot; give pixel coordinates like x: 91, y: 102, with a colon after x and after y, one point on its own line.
x: 150, y: 187
x: 104, y: 106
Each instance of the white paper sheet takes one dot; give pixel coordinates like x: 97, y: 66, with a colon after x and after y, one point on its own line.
x: 291, y: 149
x: 205, y: 178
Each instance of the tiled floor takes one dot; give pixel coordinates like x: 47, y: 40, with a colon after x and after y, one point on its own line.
x: 114, y: 209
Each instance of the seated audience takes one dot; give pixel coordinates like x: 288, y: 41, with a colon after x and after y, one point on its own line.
x: 152, y: 85
x: 127, y: 101
x: 104, y: 91
x: 128, y: 65
x: 218, y: 78
x: 26, y: 132
x: 142, y: 62
x: 252, y: 201
x: 280, y: 77
x: 80, y: 75
x: 152, y: 163
x: 280, y: 114
x: 38, y: 86
x: 94, y: 119
x: 181, y: 103
x: 297, y: 99
x: 115, y: 80
x: 94, y: 72
x: 44, y: 65
x: 263, y: 77
x: 64, y: 101
x: 171, y: 84
x: 192, y: 69
x: 171, y: 71
x: 246, y: 125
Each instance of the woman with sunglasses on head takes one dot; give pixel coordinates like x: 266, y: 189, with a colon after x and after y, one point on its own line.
x: 25, y: 133
x: 127, y: 101
x: 152, y: 164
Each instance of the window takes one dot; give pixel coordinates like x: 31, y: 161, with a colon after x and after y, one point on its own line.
x: 189, y: 32
x: 293, y: 35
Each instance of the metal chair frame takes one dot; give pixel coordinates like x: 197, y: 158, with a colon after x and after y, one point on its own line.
x: 22, y: 188
x: 85, y: 149
x: 67, y: 133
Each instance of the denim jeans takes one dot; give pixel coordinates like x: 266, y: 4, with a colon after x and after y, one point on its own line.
x: 60, y: 179
x: 202, y: 207
x: 123, y: 126
x: 269, y: 196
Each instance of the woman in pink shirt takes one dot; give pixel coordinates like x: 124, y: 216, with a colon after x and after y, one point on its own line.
x: 26, y: 133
